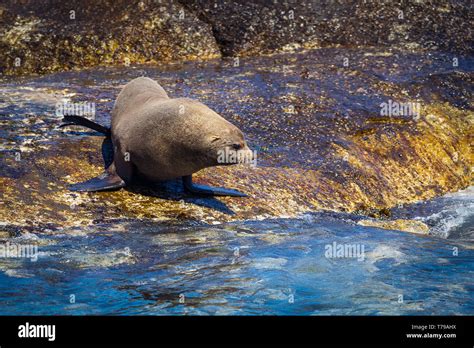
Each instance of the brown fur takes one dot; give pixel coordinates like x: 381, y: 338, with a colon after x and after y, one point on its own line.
x: 166, y: 138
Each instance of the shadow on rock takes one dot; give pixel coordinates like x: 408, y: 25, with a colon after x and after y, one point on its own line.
x: 173, y: 190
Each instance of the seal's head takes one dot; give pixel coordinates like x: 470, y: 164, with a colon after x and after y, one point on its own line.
x: 227, y: 146
x: 178, y: 137
x: 218, y: 141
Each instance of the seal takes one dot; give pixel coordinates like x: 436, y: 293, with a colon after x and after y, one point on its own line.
x: 157, y: 138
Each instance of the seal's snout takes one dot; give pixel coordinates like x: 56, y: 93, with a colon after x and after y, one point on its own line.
x: 236, y: 152
x: 238, y: 146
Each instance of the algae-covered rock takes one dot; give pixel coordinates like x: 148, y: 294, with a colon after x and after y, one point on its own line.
x: 265, y: 26
x: 412, y: 226
x: 45, y: 36
x: 322, y: 140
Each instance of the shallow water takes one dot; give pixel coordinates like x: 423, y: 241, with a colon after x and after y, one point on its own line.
x: 255, y: 267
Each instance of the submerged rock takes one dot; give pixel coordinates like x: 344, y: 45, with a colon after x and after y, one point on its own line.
x: 411, y: 226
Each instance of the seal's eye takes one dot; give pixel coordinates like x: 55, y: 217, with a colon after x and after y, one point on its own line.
x: 236, y: 146
x: 214, y: 139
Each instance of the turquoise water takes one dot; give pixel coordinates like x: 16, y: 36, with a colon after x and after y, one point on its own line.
x: 254, y: 267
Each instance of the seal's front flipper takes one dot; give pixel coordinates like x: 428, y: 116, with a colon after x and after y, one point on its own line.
x: 103, y: 182
x: 207, y: 190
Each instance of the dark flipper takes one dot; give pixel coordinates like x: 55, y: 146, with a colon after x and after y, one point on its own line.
x: 207, y: 190
x: 107, y: 152
x: 103, y: 182
x: 82, y: 121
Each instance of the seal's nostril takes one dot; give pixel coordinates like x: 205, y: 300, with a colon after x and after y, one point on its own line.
x: 236, y: 146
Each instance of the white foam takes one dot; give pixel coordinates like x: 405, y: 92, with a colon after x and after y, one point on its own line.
x: 448, y: 220
x: 458, y: 209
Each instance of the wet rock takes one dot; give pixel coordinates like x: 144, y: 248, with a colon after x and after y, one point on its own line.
x: 321, y: 140
x: 94, y: 259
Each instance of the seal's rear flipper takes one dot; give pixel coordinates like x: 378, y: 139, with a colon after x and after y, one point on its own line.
x: 207, y: 190
x: 82, y: 121
x: 103, y: 182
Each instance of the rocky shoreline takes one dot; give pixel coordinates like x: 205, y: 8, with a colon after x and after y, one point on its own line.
x: 322, y: 142
x: 305, y: 81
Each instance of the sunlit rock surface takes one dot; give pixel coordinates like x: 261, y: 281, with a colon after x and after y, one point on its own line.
x: 316, y: 124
